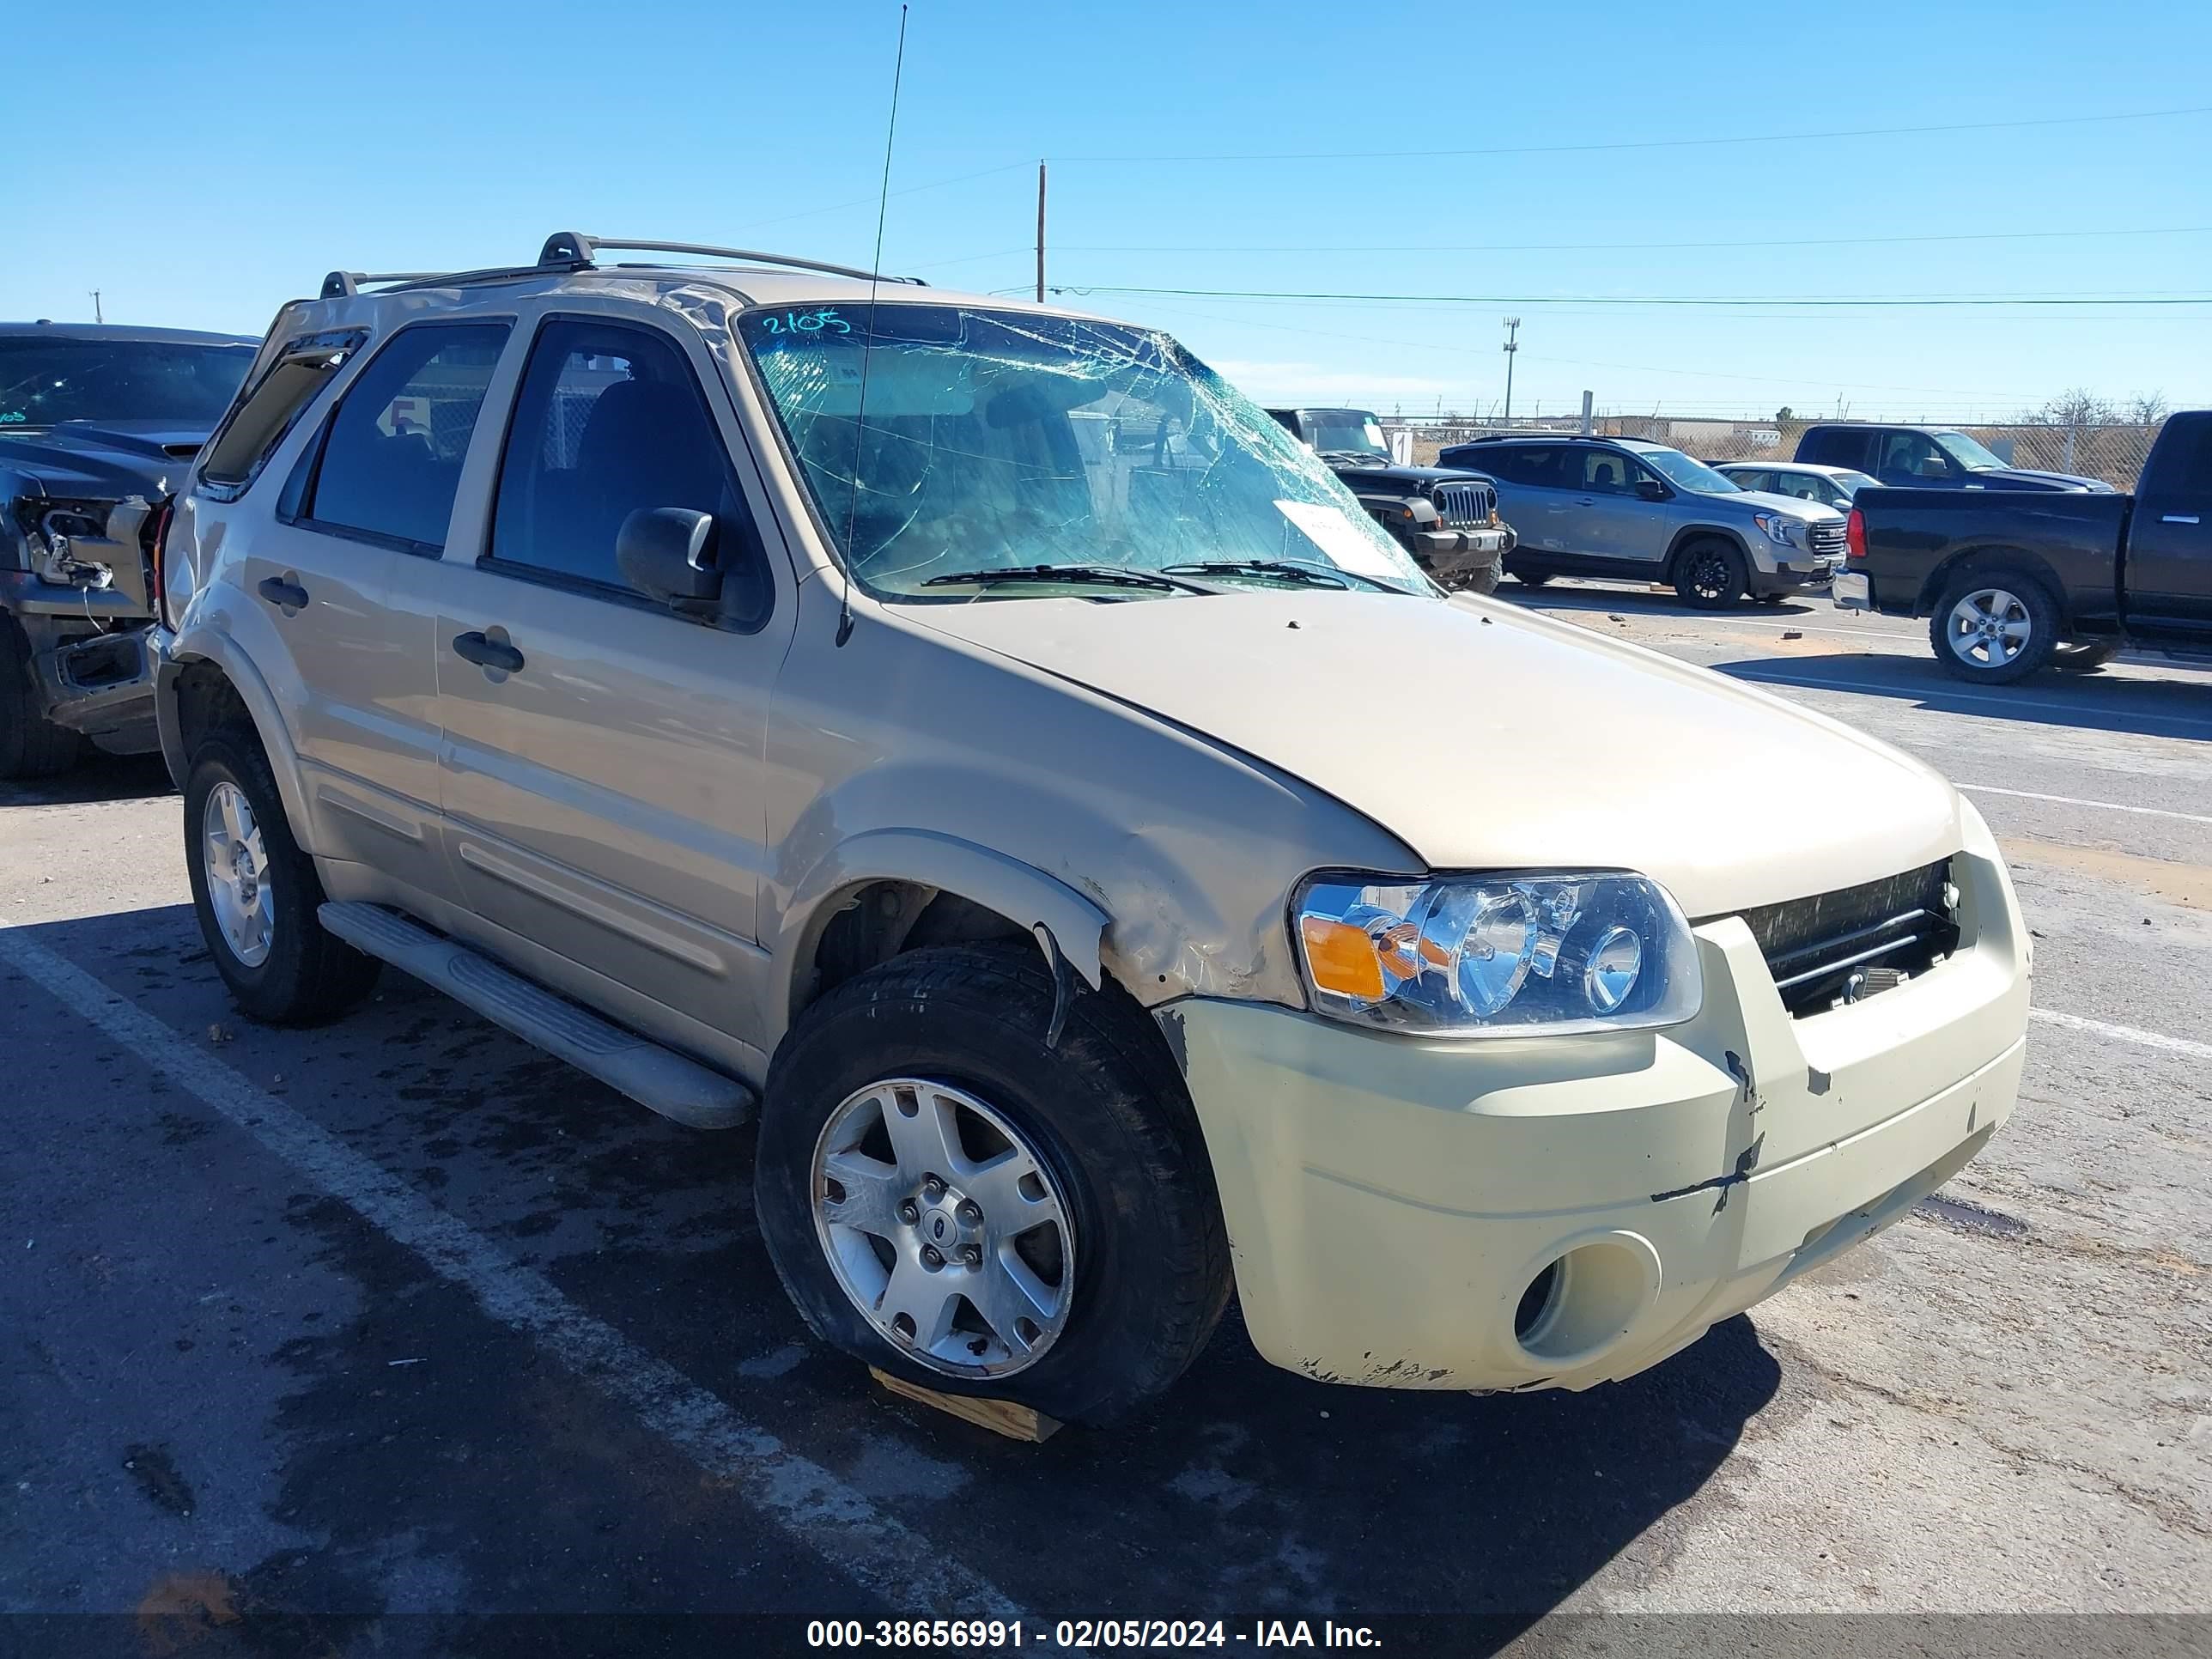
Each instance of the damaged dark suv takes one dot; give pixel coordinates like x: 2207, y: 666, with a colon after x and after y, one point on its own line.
x: 97, y: 427
x: 1446, y: 516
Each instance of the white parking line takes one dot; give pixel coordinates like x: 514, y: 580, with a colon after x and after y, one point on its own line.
x: 1935, y: 696
x: 2172, y: 1045
x: 2070, y: 801
x: 907, y: 1569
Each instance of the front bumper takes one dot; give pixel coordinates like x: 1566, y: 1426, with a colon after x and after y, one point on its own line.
x: 101, y: 686
x: 1390, y: 1200
x: 1792, y: 578
x: 1457, y: 552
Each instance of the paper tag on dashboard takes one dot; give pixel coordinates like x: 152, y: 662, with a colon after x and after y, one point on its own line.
x: 1346, y: 545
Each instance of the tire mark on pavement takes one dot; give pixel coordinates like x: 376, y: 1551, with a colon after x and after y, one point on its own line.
x: 805, y: 1500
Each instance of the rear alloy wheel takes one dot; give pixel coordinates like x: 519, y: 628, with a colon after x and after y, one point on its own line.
x: 1710, y: 574
x: 256, y: 892
x: 1996, y: 627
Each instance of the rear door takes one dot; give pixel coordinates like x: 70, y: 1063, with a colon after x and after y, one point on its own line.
x: 2168, y: 572
x: 341, y: 572
x: 603, y: 777
x: 1529, y: 494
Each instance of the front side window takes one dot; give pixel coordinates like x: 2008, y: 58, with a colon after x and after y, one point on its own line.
x: 1907, y: 457
x: 1608, y: 472
x: 46, y: 379
x: 392, y: 458
x: 1001, y: 440
x: 610, y: 419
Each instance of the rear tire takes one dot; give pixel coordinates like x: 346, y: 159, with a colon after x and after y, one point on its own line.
x: 1530, y: 578
x: 1994, y: 625
x: 1120, y: 1171
x: 269, y: 945
x: 1711, y: 573
x: 30, y: 745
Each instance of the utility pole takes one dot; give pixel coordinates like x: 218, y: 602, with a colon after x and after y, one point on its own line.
x: 98, y: 316
x: 1039, y: 232
x: 1512, y: 345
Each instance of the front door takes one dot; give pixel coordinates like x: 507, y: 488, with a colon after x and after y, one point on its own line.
x: 1609, y: 518
x: 604, y: 756
x: 2169, y: 574
x: 344, y: 571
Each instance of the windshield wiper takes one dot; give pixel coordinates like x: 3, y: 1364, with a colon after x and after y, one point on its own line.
x: 1307, y: 572
x: 1097, y: 575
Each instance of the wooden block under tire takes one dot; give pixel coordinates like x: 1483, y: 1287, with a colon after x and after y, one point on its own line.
x: 999, y: 1416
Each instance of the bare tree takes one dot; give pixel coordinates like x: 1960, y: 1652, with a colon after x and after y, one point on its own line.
x: 2077, y: 408
x: 2148, y: 408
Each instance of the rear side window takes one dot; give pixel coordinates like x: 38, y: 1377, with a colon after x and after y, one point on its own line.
x: 392, y: 458
x: 610, y: 419
x: 1524, y: 463
x: 259, y: 421
x: 1836, y: 446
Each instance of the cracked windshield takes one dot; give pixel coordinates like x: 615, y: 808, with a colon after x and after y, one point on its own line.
x: 999, y: 447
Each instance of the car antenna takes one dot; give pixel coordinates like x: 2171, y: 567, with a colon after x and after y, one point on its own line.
x: 868, y: 344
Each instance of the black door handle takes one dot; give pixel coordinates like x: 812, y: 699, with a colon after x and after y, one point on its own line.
x: 488, y: 653
x: 290, y: 595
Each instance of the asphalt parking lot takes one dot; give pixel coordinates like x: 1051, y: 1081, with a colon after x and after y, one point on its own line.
x: 400, y: 1317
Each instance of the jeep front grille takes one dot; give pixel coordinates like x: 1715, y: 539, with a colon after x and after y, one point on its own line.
x: 1814, y: 946
x: 1465, y: 506
x: 1827, y: 539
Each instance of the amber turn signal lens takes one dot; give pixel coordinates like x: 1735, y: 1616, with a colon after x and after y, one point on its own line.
x: 1341, y: 959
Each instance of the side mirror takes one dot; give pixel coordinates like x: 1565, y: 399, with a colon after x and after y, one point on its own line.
x: 1651, y: 490
x: 667, y: 553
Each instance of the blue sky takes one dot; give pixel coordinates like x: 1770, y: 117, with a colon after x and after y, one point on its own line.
x: 217, y: 161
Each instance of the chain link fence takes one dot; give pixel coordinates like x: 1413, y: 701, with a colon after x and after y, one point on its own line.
x: 2114, y: 451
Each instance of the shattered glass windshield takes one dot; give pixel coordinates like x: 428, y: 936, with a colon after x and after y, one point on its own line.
x: 1004, y: 440
x: 44, y: 381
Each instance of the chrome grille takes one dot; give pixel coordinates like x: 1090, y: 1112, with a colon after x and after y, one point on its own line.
x: 1827, y: 539
x: 1464, y: 505
x: 1814, y: 946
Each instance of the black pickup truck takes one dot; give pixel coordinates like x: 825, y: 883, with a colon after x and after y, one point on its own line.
x: 97, y: 427
x: 2016, y: 581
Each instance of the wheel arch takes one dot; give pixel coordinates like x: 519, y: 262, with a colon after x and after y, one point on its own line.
x: 203, y: 681
x: 887, y: 892
x: 1991, y: 557
x: 1691, y: 534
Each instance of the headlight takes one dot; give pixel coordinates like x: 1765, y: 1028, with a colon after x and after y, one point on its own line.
x: 1787, y: 532
x: 1476, y: 955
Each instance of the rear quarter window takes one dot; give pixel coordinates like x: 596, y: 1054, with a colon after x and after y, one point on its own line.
x: 265, y: 411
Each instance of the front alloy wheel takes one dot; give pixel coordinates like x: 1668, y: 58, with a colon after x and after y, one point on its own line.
x: 944, y: 1227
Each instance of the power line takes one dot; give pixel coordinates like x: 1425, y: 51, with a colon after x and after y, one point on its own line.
x: 1727, y: 303
x: 1650, y: 143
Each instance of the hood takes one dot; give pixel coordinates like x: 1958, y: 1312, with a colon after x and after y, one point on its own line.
x: 1486, y: 738
x: 1789, y: 507
x: 104, y: 463
x: 1419, y: 476
x: 2028, y: 477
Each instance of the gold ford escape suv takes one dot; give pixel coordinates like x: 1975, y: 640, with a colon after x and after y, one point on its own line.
x: 979, y: 740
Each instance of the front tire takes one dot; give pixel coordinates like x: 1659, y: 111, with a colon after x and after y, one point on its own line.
x: 1710, y: 574
x: 914, y: 1112
x: 1994, y: 626
x: 256, y: 893
x: 30, y: 745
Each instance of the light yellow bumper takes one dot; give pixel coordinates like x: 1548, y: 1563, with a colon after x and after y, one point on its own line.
x: 1390, y: 1199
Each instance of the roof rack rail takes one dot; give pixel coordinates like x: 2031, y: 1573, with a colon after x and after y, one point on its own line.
x: 576, y: 251
x: 345, y: 284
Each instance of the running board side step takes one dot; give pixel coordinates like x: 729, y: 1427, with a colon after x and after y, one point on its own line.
x: 649, y: 1074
